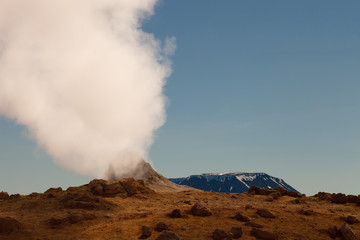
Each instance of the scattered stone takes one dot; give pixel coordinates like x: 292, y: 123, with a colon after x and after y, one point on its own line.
x: 339, y: 198
x: 255, y: 225
x: 79, y: 217
x: 306, y: 212
x: 323, y: 196
x: 275, y: 195
x: 9, y: 225
x: 351, y: 219
x: 15, y: 196
x: 187, y: 202
x: 85, y: 200
x: 282, y: 191
x: 297, y: 201
x: 248, y: 206
x: 219, y: 234
x: 4, y: 195
x: 236, y: 232
x: 241, y: 217
x: 352, y: 199
x: 294, y: 194
x: 347, y: 232
x: 333, y: 231
x: 175, y: 214
x: 265, y: 213
x: 161, y: 226
x: 167, y: 235
x: 200, y: 210
x: 145, y: 232
x: 260, y: 234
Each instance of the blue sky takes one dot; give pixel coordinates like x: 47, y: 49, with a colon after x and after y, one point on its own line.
x: 257, y: 86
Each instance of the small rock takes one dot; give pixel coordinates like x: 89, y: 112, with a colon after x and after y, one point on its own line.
x: 265, y: 213
x: 248, y: 206
x: 4, y: 195
x: 167, y: 235
x: 9, y: 225
x: 282, y: 191
x: 241, y: 217
x: 200, y: 210
x: 260, y: 234
x: 347, y: 232
x: 145, y: 232
x: 333, y: 231
x: 236, y: 232
x: 161, y: 226
x: 219, y: 234
x: 298, y: 201
x: 294, y: 194
x: 351, y: 219
x: 306, y: 212
x: 275, y: 195
x: 175, y: 214
x: 255, y: 225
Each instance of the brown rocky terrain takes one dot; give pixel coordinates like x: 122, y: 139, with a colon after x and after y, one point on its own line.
x: 157, y: 209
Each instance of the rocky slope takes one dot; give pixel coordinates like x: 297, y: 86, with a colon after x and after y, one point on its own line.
x: 237, y: 182
x: 134, y: 209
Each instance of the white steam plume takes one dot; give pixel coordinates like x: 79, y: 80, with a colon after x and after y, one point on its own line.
x: 84, y: 78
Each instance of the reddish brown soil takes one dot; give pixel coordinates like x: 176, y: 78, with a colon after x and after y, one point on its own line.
x: 122, y: 217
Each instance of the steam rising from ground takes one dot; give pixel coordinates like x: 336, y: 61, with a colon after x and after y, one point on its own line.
x: 84, y: 78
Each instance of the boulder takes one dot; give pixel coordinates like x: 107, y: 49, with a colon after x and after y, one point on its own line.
x: 265, y: 213
x: 323, y: 196
x: 4, y: 195
x: 352, y: 199
x: 219, y: 234
x: 9, y: 225
x: 339, y: 198
x: 145, y: 232
x: 167, y: 235
x: 306, y: 212
x: 15, y: 196
x: 200, y: 210
x: 294, y: 194
x: 264, y: 235
x: 347, y: 233
x: 175, y: 214
x: 333, y: 231
x: 161, y: 226
x: 282, y: 191
x: 236, y: 232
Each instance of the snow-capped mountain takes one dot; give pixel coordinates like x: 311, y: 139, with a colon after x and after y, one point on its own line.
x: 237, y: 182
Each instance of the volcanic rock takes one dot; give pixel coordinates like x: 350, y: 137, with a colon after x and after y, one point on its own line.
x: 323, y: 196
x: 219, y: 234
x: 265, y: 213
x: 333, y: 231
x: 264, y: 235
x: 167, y: 235
x: 161, y: 226
x: 351, y: 219
x: 145, y: 232
x: 255, y: 225
x: 84, y: 200
x: 4, y: 195
x: 282, y: 191
x: 352, y: 199
x: 339, y: 198
x: 347, y: 232
x: 306, y: 212
x: 15, y: 196
x: 294, y: 194
x: 236, y: 232
x: 9, y: 225
x: 200, y: 210
x: 238, y: 216
x: 175, y: 214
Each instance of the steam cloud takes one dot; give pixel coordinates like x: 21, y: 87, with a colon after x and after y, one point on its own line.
x: 85, y: 79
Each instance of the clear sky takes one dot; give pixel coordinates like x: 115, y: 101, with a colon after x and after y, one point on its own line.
x: 257, y: 86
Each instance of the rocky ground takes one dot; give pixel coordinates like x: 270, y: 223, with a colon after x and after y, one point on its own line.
x: 130, y: 209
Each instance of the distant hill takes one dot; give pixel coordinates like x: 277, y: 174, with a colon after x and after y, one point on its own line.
x: 237, y: 182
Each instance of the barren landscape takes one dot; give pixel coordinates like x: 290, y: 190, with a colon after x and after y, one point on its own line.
x: 130, y: 209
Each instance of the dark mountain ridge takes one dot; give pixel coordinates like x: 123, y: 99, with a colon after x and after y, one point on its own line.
x: 236, y: 182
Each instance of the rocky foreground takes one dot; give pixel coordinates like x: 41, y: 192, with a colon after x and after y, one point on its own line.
x: 130, y: 209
